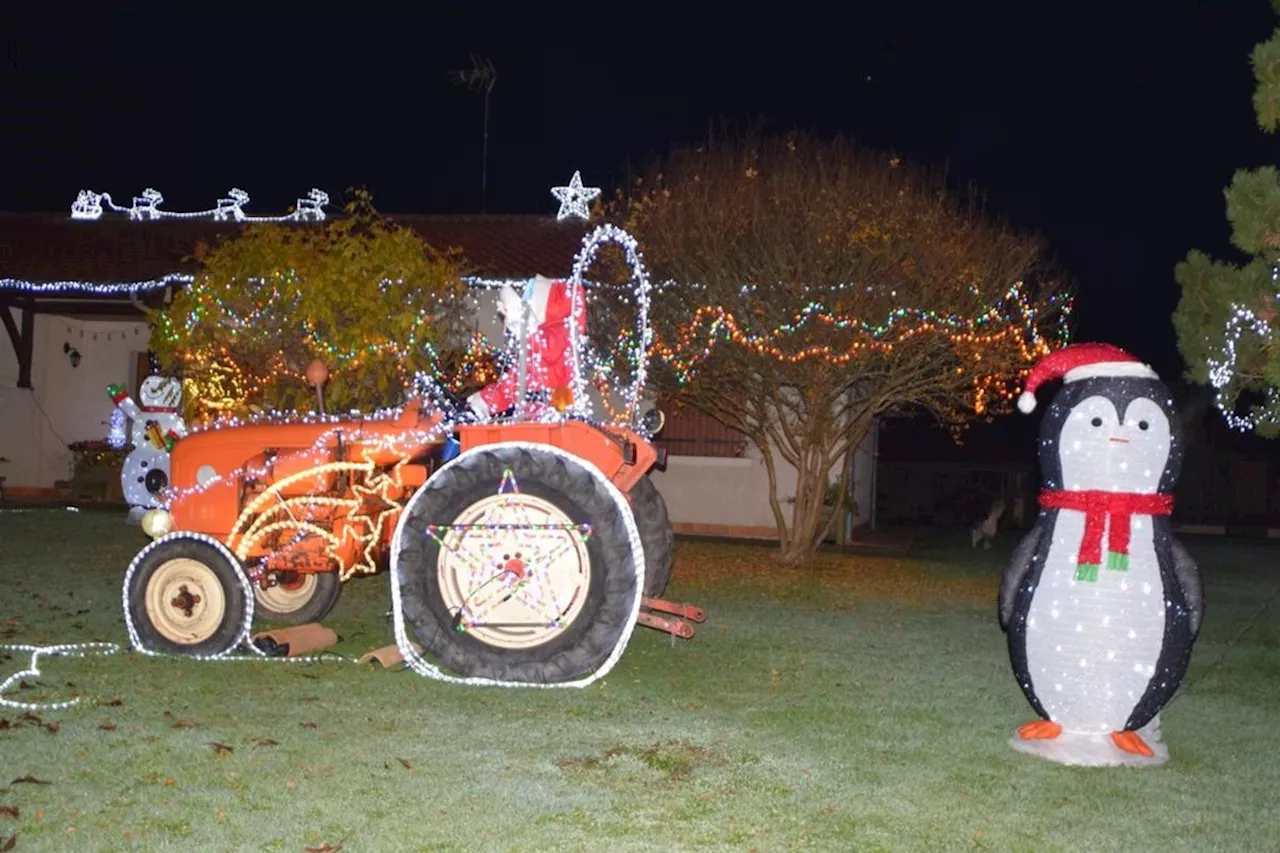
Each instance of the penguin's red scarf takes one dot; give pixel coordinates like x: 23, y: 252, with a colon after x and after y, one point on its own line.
x: 1099, y: 507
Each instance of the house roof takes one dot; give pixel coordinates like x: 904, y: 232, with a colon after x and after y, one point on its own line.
x: 56, y: 248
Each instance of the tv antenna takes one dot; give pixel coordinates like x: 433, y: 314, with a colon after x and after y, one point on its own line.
x: 480, y: 77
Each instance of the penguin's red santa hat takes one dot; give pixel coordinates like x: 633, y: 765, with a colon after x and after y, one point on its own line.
x: 1081, y: 361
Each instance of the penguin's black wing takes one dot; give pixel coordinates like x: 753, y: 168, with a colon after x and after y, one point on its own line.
x: 1184, y: 569
x: 1016, y: 570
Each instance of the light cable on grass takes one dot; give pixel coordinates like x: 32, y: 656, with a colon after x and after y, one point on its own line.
x: 78, y: 650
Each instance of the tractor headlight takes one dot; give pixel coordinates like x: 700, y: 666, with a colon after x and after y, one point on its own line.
x: 157, y: 523
x: 653, y: 421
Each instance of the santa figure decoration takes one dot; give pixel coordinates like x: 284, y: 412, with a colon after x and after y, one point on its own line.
x: 1101, y: 603
x: 156, y: 424
x: 542, y: 321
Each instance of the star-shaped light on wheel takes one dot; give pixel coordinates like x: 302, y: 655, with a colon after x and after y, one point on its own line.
x: 375, y: 513
x: 575, y: 199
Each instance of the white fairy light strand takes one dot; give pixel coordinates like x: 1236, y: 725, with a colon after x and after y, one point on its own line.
x: 78, y: 650
x: 1222, y: 369
x: 609, y: 233
x: 89, y: 205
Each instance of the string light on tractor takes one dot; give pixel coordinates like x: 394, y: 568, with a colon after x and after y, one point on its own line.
x: 639, y: 351
x: 90, y: 205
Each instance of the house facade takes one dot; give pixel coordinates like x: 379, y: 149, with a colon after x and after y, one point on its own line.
x: 72, y: 301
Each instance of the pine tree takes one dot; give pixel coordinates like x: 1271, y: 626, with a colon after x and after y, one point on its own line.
x: 1226, y: 318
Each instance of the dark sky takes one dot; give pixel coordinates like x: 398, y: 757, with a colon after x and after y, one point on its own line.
x: 1110, y: 127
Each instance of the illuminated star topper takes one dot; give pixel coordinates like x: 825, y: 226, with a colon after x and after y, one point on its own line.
x: 575, y: 199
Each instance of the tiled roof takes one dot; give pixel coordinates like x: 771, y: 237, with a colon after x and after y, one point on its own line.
x: 50, y: 248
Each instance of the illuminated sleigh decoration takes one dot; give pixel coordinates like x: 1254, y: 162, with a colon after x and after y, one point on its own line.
x: 520, y: 551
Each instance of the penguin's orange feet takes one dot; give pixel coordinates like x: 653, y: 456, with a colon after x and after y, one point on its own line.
x: 1132, y: 742
x: 1040, y: 730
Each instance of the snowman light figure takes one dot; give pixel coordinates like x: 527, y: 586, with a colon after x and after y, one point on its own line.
x: 155, y: 427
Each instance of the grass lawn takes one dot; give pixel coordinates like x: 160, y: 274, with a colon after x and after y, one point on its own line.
x: 860, y: 704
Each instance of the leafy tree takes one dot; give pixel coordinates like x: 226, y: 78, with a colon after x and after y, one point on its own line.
x: 1225, y: 318
x: 369, y: 299
x: 813, y: 285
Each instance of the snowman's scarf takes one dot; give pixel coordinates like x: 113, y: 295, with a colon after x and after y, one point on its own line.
x: 1100, y: 507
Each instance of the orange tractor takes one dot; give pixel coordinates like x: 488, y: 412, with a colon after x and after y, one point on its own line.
x: 519, y: 550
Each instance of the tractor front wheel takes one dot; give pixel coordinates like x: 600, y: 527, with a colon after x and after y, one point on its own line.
x: 185, y: 594
x: 518, y: 564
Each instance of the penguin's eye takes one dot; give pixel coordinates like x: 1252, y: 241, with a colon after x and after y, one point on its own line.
x: 1096, y: 422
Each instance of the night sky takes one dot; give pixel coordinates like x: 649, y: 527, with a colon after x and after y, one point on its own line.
x: 1110, y: 127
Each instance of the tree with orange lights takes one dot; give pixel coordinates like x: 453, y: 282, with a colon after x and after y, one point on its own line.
x: 813, y: 286
x: 367, y: 298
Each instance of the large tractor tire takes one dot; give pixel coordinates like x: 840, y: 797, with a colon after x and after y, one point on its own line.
x: 298, y: 598
x: 516, y: 563
x: 654, y: 525
x: 185, y: 594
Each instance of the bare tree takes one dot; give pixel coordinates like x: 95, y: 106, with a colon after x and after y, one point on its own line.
x: 813, y: 285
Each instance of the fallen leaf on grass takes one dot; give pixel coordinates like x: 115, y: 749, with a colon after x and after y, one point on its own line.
x: 325, y: 848
x: 52, y: 727
x: 8, y: 843
x: 264, y: 741
x: 407, y: 765
x: 9, y: 811
x: 310, y: 698
x: 220, y: 748
x: 107, y: 727
x: 33, y: 719
x: 4, y: 724
x: 185, y: 724
x: 113, y: 702
x: 29, y: 780
x: 308, y: 725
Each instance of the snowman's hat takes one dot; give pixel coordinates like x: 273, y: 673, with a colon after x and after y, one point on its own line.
x: 1081, y: 361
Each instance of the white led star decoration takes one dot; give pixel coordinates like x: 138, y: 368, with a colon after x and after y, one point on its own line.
x: 91, y: 205
x: 575, y: 199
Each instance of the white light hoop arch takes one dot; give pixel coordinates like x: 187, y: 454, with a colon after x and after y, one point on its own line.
x: 591, y: 244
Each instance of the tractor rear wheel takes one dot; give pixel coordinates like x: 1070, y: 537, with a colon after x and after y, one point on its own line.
x: 654, y: 525
x: 185, y: 594
x: 516, y: 563
x: 298, y: 597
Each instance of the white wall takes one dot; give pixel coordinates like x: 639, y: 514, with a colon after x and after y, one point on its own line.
x: 731, y: 496
x: 64, y: 404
